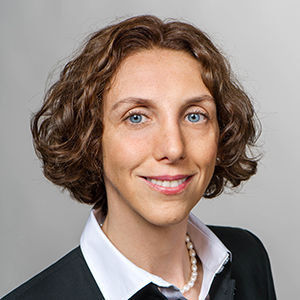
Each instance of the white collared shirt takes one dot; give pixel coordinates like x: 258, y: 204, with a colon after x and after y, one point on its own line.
x: 119, y: 279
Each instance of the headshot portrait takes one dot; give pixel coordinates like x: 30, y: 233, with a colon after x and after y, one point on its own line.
x: 146, y: 152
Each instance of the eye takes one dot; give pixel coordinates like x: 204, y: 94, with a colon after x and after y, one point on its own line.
x: 136, y: 118
x: 195, y: 117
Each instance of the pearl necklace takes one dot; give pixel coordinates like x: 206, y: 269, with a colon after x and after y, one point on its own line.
x: 193, y: 259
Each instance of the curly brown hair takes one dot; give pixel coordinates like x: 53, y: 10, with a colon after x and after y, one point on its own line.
x: 67, y: 130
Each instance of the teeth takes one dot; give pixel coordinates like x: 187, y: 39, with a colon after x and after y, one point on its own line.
x: 167, y: 183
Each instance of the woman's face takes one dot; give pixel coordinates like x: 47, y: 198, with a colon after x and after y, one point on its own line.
x: 160, y: 137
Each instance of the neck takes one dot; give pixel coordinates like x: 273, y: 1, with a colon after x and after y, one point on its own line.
x: 160, y: 250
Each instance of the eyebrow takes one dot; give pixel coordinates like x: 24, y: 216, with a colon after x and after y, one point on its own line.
x: 145, y: 101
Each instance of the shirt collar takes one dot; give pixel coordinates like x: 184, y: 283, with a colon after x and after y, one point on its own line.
x: 108, y: 266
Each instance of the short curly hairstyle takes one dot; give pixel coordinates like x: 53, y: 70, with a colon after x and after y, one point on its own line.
x: 67, y: 130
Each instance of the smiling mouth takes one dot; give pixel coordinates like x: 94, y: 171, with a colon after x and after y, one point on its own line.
x: 168, y: 186
x: 167, y: 183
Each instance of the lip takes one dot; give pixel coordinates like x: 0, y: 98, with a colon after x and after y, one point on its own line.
x: 168, y: 177
x: 169, y: 190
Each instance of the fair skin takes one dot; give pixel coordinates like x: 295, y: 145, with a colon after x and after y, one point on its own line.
x: 159, y: 123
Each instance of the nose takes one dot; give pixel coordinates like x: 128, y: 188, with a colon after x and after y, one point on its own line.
x: 170, y: 144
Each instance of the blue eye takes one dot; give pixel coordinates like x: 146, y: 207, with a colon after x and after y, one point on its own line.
x: 195, y: 117
x: 136, y: 118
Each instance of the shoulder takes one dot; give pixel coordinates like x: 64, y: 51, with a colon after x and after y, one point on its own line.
x: 62, y: 280
x: 240, y: 242
x: 250, y: 262
x: 244, y: 245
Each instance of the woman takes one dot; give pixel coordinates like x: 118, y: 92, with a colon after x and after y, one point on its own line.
x: 145, y: 121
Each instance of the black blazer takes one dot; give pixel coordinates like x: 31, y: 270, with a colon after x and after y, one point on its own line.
x: 247, y: 277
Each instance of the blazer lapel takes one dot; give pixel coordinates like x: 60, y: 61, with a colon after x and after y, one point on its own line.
x: 149, y: 292
x: 223, y: 285
x: 222, y: 288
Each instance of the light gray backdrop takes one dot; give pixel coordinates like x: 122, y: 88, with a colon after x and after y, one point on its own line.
x: 38, y: 224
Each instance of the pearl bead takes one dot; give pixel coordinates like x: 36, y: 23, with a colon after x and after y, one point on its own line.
x: 189, y: 245
x: 193, y: 260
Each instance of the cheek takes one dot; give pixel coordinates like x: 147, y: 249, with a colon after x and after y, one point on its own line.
x: 122, y: 152
x: 204, y: 148
x: 206, y: 156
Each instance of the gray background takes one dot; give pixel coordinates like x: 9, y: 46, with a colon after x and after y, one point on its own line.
x: 38, y: 223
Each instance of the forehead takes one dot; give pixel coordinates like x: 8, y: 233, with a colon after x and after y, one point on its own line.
x: 159, y: 57
x: 157, y: 73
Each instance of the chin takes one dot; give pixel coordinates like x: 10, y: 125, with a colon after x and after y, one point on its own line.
x: 167, y: 216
